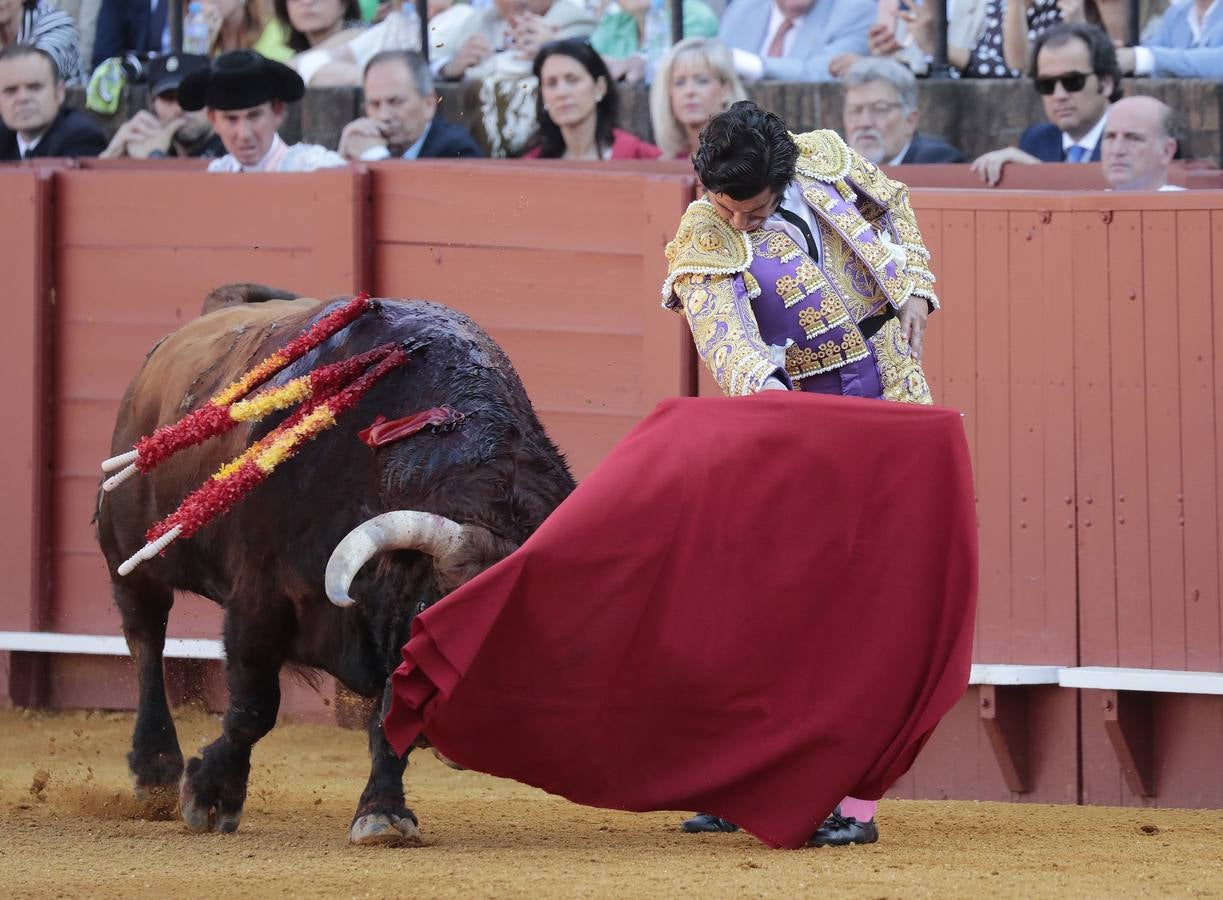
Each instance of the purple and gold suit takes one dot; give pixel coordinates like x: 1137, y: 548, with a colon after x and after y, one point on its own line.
x: 760, y: 305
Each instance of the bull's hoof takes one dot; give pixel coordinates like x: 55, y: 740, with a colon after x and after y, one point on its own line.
x: 200, y: 816
x: 385, y: 830
x: 155, y: 782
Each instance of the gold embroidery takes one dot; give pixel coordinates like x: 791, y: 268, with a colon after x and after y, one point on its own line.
x: 900, y: 375
x: 724, y: 331
x: 704, y: 244
x: 803, y: 362
x: 831, y: 312
x: 823, y: 155
x: 790, y: 290
x: 809, y: 274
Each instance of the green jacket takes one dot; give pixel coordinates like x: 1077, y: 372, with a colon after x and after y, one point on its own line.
x: 616, y: 34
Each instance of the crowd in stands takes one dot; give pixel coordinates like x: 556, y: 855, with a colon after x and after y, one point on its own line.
x: 548, y: 72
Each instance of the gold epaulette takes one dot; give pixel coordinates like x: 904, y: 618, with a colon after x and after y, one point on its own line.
x: 705, y: 244
x: 823, y: 155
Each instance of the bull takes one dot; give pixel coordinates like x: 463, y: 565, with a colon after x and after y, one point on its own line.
x: 477, y: 492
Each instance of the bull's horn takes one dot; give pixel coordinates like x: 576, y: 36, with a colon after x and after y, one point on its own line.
x: 399, y: 530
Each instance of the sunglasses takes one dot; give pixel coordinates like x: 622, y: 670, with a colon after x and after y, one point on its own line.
x: 1073, y: 82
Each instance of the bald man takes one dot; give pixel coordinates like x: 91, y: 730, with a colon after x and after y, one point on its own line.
x: 1137, y: 145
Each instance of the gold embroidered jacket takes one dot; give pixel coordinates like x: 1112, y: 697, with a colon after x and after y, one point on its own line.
x: 869, y: 233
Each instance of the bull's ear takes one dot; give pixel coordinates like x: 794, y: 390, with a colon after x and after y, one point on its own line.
x: 242, y: 292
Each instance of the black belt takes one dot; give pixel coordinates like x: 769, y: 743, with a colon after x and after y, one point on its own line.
x: 868, y: 327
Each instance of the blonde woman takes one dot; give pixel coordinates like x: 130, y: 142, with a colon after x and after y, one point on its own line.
x: 695, y: 82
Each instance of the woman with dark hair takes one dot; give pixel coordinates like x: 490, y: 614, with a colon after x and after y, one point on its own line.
x: 308, y: 23
x: 576, y: 108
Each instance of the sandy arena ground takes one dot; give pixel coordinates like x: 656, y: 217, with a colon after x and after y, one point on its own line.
x: 68, y: 829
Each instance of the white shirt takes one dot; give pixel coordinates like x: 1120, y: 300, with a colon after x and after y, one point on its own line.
x: 899, y: 157
x: 23, y: 148
x: 1088, y: 141
x: 794, y: 202
x: 283, y: 158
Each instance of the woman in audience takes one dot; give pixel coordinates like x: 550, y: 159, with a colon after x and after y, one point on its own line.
x: 312, y: 23
x: 620, y: 35
x: 696, y: 81
x: 45, y: 27
x: 245, y: 25
x: 576, y: 108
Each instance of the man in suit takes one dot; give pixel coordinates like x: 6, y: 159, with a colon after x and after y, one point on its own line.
x: 1075, y: 71
x: 796, y: 40
x: 36, y: 122
x: 1187, y: 44
x: 130, y: 26
x: 880, y: 116
x: 1139, y: 141
x: 401, y: 120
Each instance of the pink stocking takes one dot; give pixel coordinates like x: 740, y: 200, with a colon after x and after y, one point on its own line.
x: 862, y: 810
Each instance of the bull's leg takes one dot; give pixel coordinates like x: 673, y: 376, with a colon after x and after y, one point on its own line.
x: 382, y: 816
x: 214, y: 787
x: 156, y: 762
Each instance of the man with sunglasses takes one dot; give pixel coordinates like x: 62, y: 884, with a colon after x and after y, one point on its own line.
x: 1075, y: 71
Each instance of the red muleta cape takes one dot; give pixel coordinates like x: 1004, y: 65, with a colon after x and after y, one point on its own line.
x: 753, y: 607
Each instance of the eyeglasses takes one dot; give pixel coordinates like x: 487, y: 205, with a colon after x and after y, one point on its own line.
x: 1073, y: 82
x: 876, y: 110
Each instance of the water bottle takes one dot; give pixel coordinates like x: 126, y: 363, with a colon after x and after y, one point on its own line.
x: 657, y: 39
x: 196, y: 32
x: 403, y: 26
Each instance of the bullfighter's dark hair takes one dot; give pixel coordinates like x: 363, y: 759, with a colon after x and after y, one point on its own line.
x: 744, y: 151
x: 297, y: 41
x: 547, y: 134
x: 1099, y: 46
x: 16, y: 51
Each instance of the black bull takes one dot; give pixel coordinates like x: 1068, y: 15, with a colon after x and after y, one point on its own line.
x: 264, y: 561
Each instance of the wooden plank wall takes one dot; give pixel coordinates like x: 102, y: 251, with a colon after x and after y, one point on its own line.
x: 562, y: 269
x: 136, y: 253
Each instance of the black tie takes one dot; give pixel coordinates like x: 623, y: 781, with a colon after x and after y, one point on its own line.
x: 797, y: 221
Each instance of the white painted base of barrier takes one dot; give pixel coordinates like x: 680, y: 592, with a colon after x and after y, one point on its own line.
x: 103, y: 645
x: 1168, y: 681
x: 1000, y: 674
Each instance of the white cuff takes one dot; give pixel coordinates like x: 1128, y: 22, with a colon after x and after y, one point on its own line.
x: 1144, y: 61
x: 373, y: 154
x: 749, y: 66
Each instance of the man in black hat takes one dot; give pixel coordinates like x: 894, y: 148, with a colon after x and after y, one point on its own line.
x: 165, y: 129
x: 245, y: 96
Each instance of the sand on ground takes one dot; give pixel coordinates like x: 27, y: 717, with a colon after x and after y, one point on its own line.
x: 70, y: 828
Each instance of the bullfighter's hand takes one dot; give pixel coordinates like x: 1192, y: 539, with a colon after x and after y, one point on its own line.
x: 358, y: 136
x: 989, y: 165
x: 913, y: 317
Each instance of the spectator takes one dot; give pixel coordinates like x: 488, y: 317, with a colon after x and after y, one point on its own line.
x: 306, y: 24
x: 166, y: 130
x: 881, y: 116
x: 620, y: 35
x: 1074, y: 70
x: 1187, y: 44
x: 796, y: 40
x: 576, y: 108
x: 84, y: 14
x: 985, y: 38
x: 244, y: 25
x: 696, y: 80
x: 245, y: 95
x: 36, y: 122
x: 38, y: 24
x: 1138, y: 144
x: 502, y: 38
x: 130, y: 26
x: 401, y: 119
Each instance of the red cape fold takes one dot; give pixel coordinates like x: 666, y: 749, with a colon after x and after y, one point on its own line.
x: 753, y: 607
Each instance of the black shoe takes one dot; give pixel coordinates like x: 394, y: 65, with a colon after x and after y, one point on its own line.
x: 839, y: 830
x: 707, y: 822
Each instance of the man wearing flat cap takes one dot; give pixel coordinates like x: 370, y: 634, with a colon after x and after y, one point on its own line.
x: 165, y: 130
x: 245, y: 96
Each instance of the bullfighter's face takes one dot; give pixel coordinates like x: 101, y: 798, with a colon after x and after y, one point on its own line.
x: 745, y: 215
x: 30, y: 94
x: 393, y: 100
x: 248, y: 133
